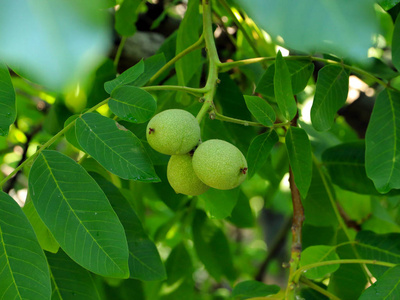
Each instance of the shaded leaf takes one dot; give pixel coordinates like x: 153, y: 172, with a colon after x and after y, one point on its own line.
x: 349, y: 281
x: 396, y: 44
x: 346, y: 166
x: 132, y: 104
x: 242, y: 215
x: 330, y: 95
x: 387, y: 286
x: 212, y: 247
x: 180, y: 283
x: 8, y: 112
x: 70, y: 134
x: 70, y: 279
x: 259, y: 150
x: 43, y: 234
x: 24, y: 272
x: 317, y: 207
x: 126, y: 17
x: 144, y: 260
x: 126, y: 77
x: 251, y: 288
x: 382, y: 141
x: 78, y: 214
x: 283, y: 88
x: 220, y: 203
x: 316, y: 254
x: 383, y: 247
x: 117, y: 150
x: 261, y: 110
x: 151, y: 66
x: 299, y: 151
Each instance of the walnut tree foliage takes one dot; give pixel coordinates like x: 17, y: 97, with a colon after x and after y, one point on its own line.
x: 308, y: 91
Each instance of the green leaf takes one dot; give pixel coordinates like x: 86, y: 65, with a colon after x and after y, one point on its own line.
x: 346, y: 166
x: 151, y: 67
x: 8, y: 112
x: 125, y: 78
x: 300, y: 72
x: 125, y: 290
x: 139, y: 130
x: 388, y: 4
x: 283, y: 88
x: 43, y: 234
x: 316, y: 254
x: 144, y: 261
x: 117, y: 150
x: 24, y: 272
x: 70, y: 279
x: 383, y: 247
x: 242, y: 215
x: 212, y: 247
x: 382, y: 141
x: 396, y: 44
x: 251, y: 288
x: 180, y: 283
x: 261, y: 110
x: 126, y: 17
x: 349, y: 281
x: 54, y: 43
x: 220, y: 203
x: 330, y: 95
x: 188, y: 34
x: 259, y: 150
x: 78, y: 214
x: 70, y: 134
x: 317, y: 206
x: 96, y: 93
x: 132, y: 104
x: 299, y: 151
x: 387, y: 286
x: 341, y: 27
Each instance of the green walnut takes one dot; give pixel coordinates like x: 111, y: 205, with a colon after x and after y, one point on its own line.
x: 182, y: 178
x: 173, y: 132
x: 219, y: 164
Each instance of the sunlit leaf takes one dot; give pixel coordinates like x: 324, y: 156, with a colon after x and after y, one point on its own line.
x: 382, y: 141
x: 330, y: 95
x: 117, y: 150
x: 24, y: 272
x: 8, y: 112
x: 132, y: 104
x: 261, y: 110
x: 283, y: 88
x: 78, y: 214
x: 251, y: 288
x: 315, y: 254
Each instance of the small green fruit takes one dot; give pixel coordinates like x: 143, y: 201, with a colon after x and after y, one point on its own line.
x: 220, y: 164
x: 173, y: 131
x: 182, y: 178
